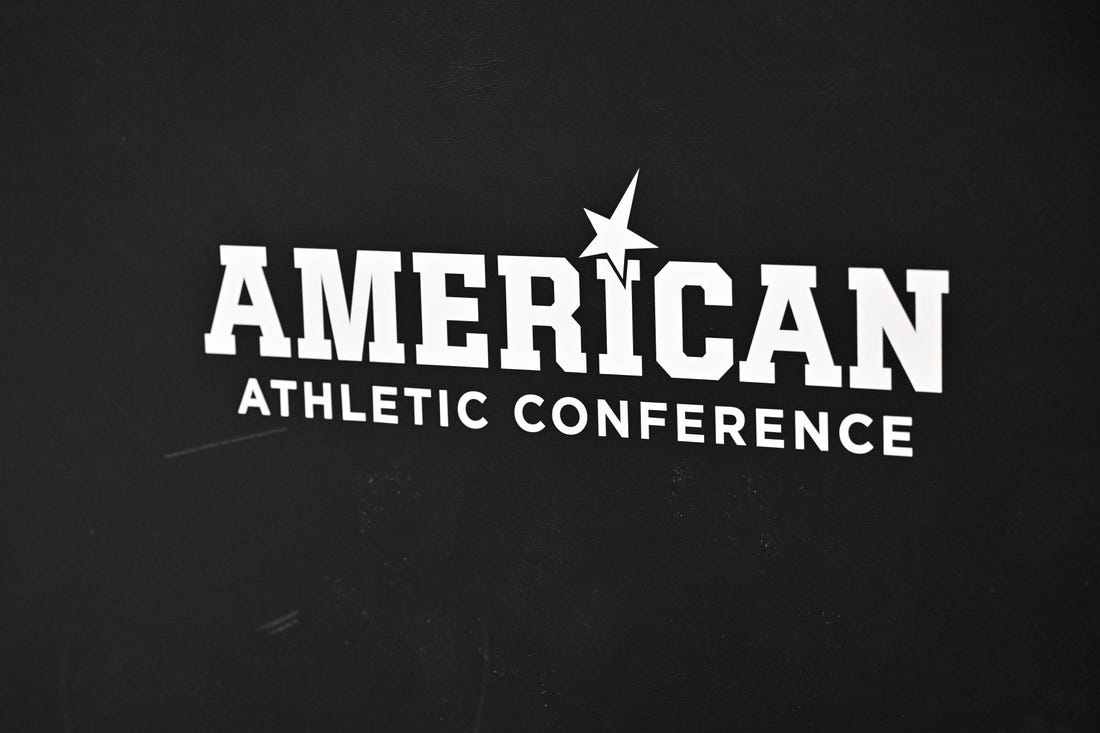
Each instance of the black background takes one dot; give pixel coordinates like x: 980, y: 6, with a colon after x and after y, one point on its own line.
x: 447, y: 579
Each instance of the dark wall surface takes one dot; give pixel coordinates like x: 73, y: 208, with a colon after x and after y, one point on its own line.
x: 427, y: 578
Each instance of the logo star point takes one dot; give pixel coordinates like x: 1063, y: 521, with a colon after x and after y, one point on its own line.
x: 613, y: 238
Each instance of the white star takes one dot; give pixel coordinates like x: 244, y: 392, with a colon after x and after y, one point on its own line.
x: 612, y: 237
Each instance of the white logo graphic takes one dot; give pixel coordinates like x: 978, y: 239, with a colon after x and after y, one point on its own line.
x: 357, y: 319
x: 612, y: 237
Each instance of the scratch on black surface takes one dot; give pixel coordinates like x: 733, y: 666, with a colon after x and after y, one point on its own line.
x: 278, y: 625
x: 484, y: 674
x: 220, y: 443
x: 63, y: 687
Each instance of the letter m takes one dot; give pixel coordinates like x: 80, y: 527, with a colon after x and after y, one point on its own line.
x: 373, y: 285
